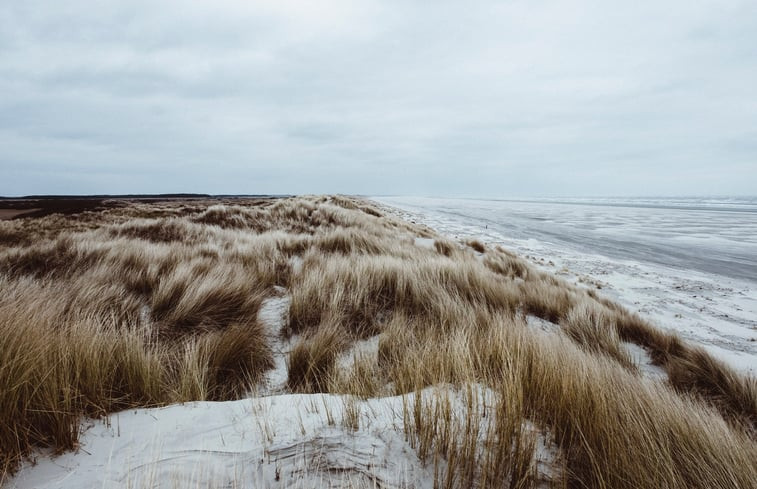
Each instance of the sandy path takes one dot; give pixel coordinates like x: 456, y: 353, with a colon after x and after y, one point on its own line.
x: 6, y: 214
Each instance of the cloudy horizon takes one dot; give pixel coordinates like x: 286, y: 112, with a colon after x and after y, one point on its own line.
x: 485, y: 99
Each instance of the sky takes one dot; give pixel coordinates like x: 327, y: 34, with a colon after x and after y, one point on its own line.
x: 462, y: 99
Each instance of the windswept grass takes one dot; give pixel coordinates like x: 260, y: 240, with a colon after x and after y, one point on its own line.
x: 311, y: 363
x: 150, y: 304
x: 592, y: 327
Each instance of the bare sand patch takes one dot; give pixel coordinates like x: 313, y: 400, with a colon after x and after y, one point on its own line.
x: 6, y: 214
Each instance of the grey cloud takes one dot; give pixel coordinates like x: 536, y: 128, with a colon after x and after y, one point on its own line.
x: 491, y: 98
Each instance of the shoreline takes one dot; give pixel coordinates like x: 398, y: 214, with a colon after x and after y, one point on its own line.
x: 720, y: 313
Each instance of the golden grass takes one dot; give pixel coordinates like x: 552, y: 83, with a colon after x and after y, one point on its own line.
x: 618, y: 432
x: 470, y: 442
x: 593, y: 327
x: 149, y: 304
x: 311, y: 363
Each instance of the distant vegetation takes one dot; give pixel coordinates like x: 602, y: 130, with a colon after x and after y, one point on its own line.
x: 146, y: 304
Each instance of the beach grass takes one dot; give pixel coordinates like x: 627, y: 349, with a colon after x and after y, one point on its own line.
x: 148, y: 304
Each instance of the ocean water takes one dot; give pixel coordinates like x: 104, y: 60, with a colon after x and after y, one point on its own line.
x: 712, y: 235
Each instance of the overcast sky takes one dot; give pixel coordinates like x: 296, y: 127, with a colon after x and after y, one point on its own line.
x: 500, y: 98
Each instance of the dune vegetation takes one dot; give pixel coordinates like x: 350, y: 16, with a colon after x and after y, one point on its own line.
x: 147, y: 304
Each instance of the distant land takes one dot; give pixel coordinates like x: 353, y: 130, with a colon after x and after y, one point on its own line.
x: 142, y: 196
x: 42, y: 205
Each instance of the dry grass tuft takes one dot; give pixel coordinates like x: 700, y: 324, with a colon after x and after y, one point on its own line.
x: 506, y: 265
x: 445, y: 247
x: 62, y: 257
x: 547, y: 298
x: 232, y: 360
x: 364, y: 290
x: 470, y: 442
x: 733, y: 394
x: 311, y: 362
x: 12, y: 236
x: 616, y: 431
x: 157, y: 230
x: 693, y: 371
x: 592, y: 327
x: 204, y: 293
x: 476, y: 245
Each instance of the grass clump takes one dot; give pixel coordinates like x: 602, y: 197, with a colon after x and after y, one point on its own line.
x: 476, y: 245
x: 311, y: 363
x: 594, y: 329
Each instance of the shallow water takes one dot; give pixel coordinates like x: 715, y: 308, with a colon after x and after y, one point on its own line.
x: 716, y: 236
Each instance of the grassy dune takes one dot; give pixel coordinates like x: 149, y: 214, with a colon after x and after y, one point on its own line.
x: 149, y: 304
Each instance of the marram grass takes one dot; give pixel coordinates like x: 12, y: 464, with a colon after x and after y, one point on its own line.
x: 151, y: 304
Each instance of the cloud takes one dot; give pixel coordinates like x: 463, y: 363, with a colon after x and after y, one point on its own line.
x: 489, y: 98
